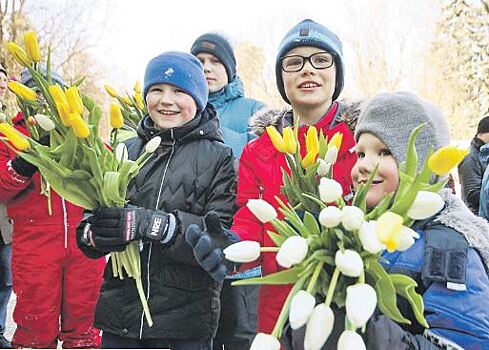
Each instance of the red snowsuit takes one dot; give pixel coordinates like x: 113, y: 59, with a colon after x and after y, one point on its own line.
x: 260, y: 176
x: 57, y: 287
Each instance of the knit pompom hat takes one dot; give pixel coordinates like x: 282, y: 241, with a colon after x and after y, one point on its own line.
x: 310, y: 33
x: 392, y: 116
x: 218, y: 46
x: 179, y: 69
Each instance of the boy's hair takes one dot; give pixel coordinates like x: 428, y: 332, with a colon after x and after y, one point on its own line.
x: 179, y: 69
x: 217, y: 45
x: 310, y: 33
x: 392, y: 117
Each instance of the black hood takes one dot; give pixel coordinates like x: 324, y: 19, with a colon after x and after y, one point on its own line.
x: 205, y: 125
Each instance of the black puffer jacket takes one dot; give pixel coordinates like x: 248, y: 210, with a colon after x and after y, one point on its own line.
x: 190, y: 174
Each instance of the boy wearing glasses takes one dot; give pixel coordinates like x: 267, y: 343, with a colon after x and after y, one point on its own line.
x: 309, y: 72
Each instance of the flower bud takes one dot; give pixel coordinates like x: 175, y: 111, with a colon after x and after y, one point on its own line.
x: 292, y: 251
x: 301, y: 307
x: 22, y: 91
x: 121, y: 152
x: 32, y: 46
x: 137, y: 87
x: 264, y: 341
x: 349, y: 262
x: 445, y: 159
x: 18, y: 140
x: 350, y: 340
x: 74, y: 100
x: 289, y: 139
x: 330, y: 216
x: 331, y: 155
x: 111, y: 91
x: 388, y: 229
x: 329, y: 190
x: 242, y: 252
x: 425, y: 205
x: 152, y: 144
x: 116, y: 119
x: 352, y: 218
x: 406, y: 238
x: 319, y: 327
x: 45, y: 122
x: 360, y: 304
x: 368, y: 237
x: 277, y: 139
x: 79, y: 125
x: 323, y: 168
x: 262, y: 210
x: 19, y: 54
x: 139, y: 101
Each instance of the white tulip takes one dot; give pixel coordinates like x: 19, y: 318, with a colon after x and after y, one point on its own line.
x: 319, y: 327
x: 323, y: 168
x: 349, y: 262
x: 242, y: 252
x: 292, y: 251
x: 330, y: 216
x: 368, y: 237
x: 406, y: 238
x: 264, y: 341
x: 121, y: 152
x: 425, y: 205
x: 352, y: 218
x: 331, y: 155
x: 301, y: 307
x: 45, y: 122
x: 152, y: 144
x: 350, y: 340
x: 262, y: 210
x: 329, y: 190
x: 360, y: 304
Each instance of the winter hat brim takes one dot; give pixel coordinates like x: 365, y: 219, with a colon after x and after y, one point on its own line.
x: 219, y: 47
x: 179, y: 69
x: 310, y: 33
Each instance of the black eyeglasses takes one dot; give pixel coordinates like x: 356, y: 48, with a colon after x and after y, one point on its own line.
x: 319, y: 60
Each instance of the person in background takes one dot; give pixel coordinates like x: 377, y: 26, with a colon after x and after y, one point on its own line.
x: 238, y: 319
x: 189, y: 179
x: 56, y: 286
x: 471, y: 170
x: 5, y: 237
x: 310, y: 75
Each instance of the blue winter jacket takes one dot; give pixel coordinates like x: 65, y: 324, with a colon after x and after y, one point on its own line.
x: 484, y: 192
x: 444, y: 263
x: 234, y: 111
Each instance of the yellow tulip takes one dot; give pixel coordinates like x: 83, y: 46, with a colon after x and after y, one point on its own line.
x: 127, y: 100
x: 445, y: 159
x: 336, y: 140
x: 32, y: 46
x: 19, y: 54
x: 74, y: 100
x: 79, y: 126
x: 139, y: 100
x: 22, y: 91
x: 116, y: 120
x: 277, y: 139
x: 309, y: 159
x: 64, y: 113
x: 111, y: 91
x: 312, y: 141
x: 58, y: 95
x: 289, y: 139
x: 137, y: 87
x: 17, y: 139
x: 388, y: 230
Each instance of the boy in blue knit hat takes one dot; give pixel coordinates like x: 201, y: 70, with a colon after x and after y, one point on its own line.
x: 190, y: 179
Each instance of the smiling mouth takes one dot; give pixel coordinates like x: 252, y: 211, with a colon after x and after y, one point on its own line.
x: 375, y: 182
x: 167, y: 113
x: 309, y: 85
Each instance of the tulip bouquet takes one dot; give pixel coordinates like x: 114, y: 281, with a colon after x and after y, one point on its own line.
x: 131, y: 106
x: 76, y: 163
x: 331, y: 250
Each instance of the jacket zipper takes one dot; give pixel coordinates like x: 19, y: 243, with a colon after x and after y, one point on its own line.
x: 151, y: 243
x: 260, y: 194
x: 65, y: 222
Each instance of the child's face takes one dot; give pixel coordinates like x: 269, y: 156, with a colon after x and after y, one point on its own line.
x: 214, y: 70
x: 169, y: 107
x: 370, y: 152
x: 309, y: 87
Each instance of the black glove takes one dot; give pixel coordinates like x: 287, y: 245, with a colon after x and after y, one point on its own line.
x: 111, y: 229
x: 208, y: 245
x: 22, y: 166
x: 384, y: 334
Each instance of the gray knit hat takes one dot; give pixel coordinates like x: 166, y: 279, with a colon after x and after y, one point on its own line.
x: 392, y: 116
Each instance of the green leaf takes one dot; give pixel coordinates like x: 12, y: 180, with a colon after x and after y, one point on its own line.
x: 69, y: 149
x: 412, y: 156
x: 283, y: 277
x: 406, y: 287
x: 276, y: 238
x: 311, y: 223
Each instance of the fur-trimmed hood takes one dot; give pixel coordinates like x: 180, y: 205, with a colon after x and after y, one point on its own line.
x: 348, y: 112
x: 474, y: 228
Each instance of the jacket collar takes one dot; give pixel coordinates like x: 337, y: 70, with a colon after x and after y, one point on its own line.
x: 231, y: 91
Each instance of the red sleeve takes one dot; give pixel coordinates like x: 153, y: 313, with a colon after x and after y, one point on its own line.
x: 11, y: 183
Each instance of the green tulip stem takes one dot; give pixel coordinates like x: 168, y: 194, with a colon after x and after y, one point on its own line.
x: 332, y: 286
x: 269, y: 249
x: 361, y: 278
x: 314, y: 278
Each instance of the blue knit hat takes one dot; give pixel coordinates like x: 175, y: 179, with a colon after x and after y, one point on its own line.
x: 218, y: 46
x: 310, y: 33
x: 27, y: 80
x: 179, y: 69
